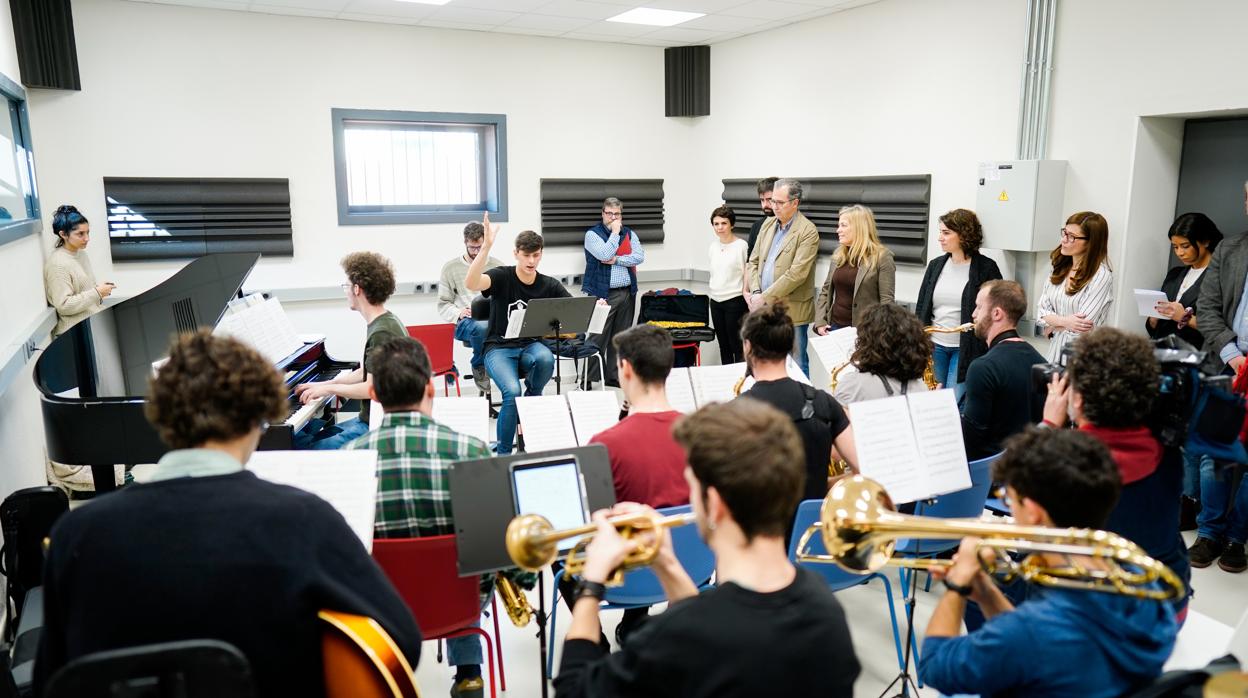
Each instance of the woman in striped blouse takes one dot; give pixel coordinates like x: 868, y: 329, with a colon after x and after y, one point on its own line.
x: 1080, y: 291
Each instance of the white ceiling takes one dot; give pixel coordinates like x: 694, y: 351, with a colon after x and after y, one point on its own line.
x: 571, y: 19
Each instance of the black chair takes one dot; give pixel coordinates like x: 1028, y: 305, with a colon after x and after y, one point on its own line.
x: 26, y: 518
x: 183, y: 669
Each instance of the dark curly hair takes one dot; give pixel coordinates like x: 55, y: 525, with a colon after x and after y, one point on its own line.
x: 1069, y: 473
x: 891, y: 343
x: 1117, y: 375
x: 966, y: 224
x: 751, y: 453
x: 213, y: 389
x: 769, y: 332
x: 373, y: 273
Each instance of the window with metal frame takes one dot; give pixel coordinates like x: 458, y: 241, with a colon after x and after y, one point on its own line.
x: 19, y: 200
x: 419, y: 167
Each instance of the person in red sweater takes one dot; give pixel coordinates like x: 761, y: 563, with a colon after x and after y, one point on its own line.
x: 647, y: 465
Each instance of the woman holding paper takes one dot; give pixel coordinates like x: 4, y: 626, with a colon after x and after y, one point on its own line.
x: 1080, y: 291
x: 1193, y: 237
x: 862, y: 274
x: 947, y: 295
x: 889, y: 359
x: 727, y: 284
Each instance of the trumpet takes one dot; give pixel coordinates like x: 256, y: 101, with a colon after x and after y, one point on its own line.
x: 860, y: 530
x: 929, y: 373
x: 531, y: 541
x: 519, y: 610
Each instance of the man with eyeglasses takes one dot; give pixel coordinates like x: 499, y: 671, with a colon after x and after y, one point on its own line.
x: 612, y: 253
x: 455, y: 301
x: 782, y: 265
x: 369, y: 284
x: 766, y: 185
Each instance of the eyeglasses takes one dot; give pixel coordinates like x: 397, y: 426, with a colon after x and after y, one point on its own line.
x: 346, y: 286
x: 1003, y: 493
x: 780, y: 202
x: 473, y: 248
x: 613, y: 214
x: 264, y: 426
x: 1072, y: 238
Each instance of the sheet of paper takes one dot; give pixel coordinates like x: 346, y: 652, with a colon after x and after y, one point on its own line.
x: 887, y: 452
x: 715, y: 383
x: 375, y: 413
x: 1146, y: 299
x: 514, y: 322
x: 938, y: 434
x: 345, y: 479
x: 593, y: 411
x: 795, y: 371
x: 598, y: 321
x: 834, y: 348
x: 263, y: 325
x: 546, y: 421
x: 680, y: 391
x: 466, y: 415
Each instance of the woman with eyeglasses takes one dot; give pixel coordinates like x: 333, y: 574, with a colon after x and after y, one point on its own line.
x: 1080, y: 291
x: 862, y: 274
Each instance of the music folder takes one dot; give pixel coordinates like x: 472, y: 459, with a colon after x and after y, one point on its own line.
x: 540, y: 317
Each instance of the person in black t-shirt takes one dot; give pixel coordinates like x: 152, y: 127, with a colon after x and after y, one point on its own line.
x: 509, y: 288
x: 768, y: 628
x: 820, y: 420
x: 999, y: 401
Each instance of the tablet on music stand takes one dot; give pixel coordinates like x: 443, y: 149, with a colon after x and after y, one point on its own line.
x: 553, y: 488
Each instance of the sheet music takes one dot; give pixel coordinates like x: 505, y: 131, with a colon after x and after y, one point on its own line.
x: 262, y: 325
x: 794, y: 371
x: 345, y: 479
x: 834, y: 348
x: 938, y: 434
x: 715, y: 383
x: 466, y: 415
x: 547, y: 424
x: 592, y: 411
x: 375, y: 413
x: 515, y: 320
x: 598, y: 321
x: 887, y: 452
x: 680, y: 391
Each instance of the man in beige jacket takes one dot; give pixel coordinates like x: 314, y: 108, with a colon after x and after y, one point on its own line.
x: 782, y: 264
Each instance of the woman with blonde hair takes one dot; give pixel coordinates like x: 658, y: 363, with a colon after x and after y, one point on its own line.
x: 863, y: 273
x: 1080, y: 291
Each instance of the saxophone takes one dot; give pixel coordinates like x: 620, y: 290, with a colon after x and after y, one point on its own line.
x: 929, y: 373
x: 517, y: 604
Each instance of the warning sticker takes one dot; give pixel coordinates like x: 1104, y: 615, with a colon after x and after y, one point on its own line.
x: 1004, y: 196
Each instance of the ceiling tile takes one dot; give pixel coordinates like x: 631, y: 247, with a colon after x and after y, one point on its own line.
x: 506, y: 5
x: 771, y: 9
x: 529, y: 31
x: 617, y: 29
x: 465, y: 26
x: 686, y: 36
x: 470, y: 15
x: 389, y: 8
x: 544, y: 23
x: 579, y: 8
x: 294, y: 11
x: 381, y: 19
x: 707, y: 6
x: 209, y: 4
x: 723, y: 23
x: 324, y: 5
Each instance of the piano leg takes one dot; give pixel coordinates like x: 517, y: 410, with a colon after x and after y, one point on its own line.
x: 105, y: 480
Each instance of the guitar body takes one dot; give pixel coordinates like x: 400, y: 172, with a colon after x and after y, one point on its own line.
x: 362, y: 661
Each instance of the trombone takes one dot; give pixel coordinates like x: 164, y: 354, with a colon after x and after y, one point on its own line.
x: 860, y: 529
x: 929, y: 373
x: 532, y: 541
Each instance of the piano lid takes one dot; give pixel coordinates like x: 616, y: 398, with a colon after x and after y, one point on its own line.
x: 110, y: 354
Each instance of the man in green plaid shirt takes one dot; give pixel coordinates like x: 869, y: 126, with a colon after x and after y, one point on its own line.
x: 414, y: 457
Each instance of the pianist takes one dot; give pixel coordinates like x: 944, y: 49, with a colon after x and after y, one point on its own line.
x: 369, y: 284
x: 207, y: 550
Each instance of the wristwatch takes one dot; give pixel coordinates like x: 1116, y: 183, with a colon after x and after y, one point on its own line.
x: 957, y: 588
x: 593, y: 590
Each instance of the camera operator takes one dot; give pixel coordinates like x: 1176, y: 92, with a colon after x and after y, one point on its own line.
x: 1111, y: 381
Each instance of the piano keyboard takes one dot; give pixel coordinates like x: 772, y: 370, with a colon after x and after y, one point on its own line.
x: 298, y: 419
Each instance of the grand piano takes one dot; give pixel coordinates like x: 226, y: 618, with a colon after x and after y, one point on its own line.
x: 92, y: 377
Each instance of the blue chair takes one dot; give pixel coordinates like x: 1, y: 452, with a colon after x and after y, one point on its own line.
x: 641, y: 587
x: 837, y: 578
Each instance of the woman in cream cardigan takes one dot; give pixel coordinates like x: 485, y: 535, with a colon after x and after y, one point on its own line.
x: 68, y: 280
x: 862, y: 274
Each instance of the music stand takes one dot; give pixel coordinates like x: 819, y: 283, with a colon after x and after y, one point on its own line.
x: 481, y: 496
x: 551, y: 318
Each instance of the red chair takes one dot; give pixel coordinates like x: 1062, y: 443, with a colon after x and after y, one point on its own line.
x: 695, y: 346
x: 425, y: 573
x: 439, y: 341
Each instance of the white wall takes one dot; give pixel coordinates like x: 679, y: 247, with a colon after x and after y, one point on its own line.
x: 21, y: 302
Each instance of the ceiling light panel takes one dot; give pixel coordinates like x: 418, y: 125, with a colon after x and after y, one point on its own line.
x: 655, y: 18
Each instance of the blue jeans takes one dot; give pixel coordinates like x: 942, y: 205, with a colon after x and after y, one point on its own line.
x: 1193, y: 467
x: 505, y: 365
x: 803, y: 338
x: 473, y: 332
x: 330, y: 437
x: 945, y: 367
x: 1220, y: 517
x: 466, y: 649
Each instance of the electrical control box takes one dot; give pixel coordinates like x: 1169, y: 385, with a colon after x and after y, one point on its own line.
x: 1019, y: 203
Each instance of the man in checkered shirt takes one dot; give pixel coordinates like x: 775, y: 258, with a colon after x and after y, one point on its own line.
x: 414, y: 457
